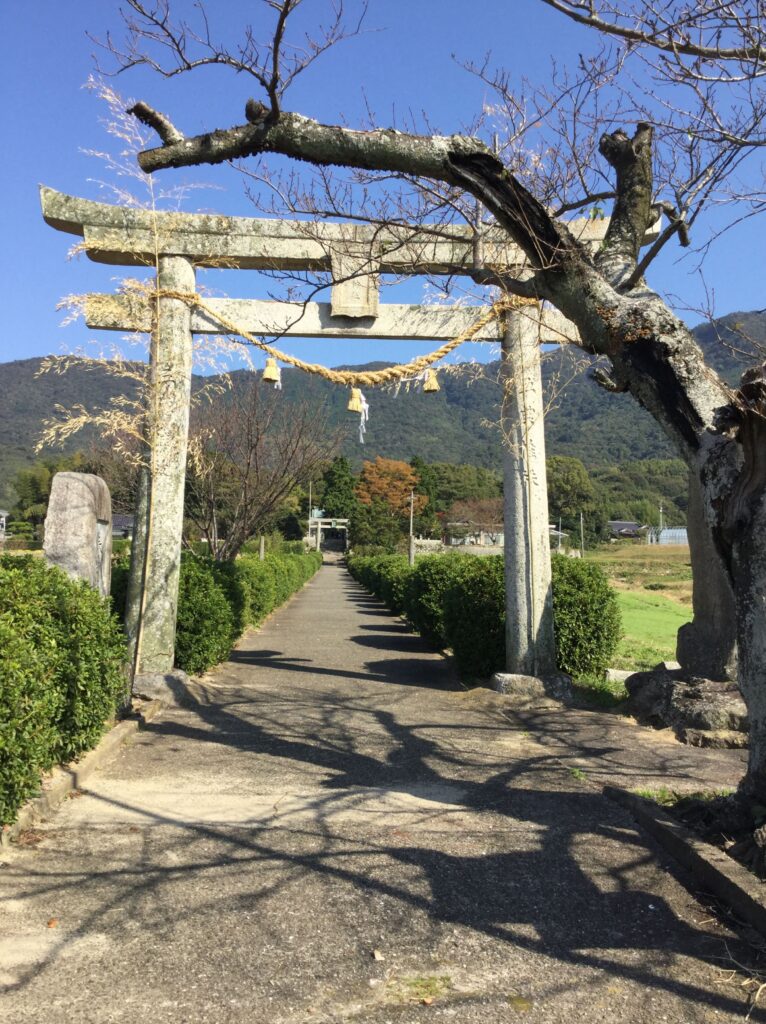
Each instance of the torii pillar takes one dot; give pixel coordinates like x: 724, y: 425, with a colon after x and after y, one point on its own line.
x: 530, y: 647
x: 170, y: 392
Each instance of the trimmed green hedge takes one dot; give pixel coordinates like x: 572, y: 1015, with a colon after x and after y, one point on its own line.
x: 586, y: 617
x: 458, y: 601
x: 258, y: 579
x: 431, y: 578
x: 205, y: 628
x: 387, y: 576
x: 217, y: 601
x: 474, y: 617
x: 61, y: 673
x: 394, y: 573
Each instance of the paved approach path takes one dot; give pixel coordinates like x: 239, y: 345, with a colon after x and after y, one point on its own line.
x: 340, y: 833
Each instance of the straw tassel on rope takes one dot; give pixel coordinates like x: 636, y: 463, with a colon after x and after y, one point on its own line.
x: 355, y: 400
x: 358, y: 403
x: 272, y: 373
x: 431, y: 382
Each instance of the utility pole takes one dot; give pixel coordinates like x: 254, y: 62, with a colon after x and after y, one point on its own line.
x: 661, y: 511
x: 411, y: 548
x: 559, y: 544
x: 582, y: 538
x: 310, y: 511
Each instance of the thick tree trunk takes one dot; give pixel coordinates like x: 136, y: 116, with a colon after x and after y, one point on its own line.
x: 749, y: 570
x: 707, y: 646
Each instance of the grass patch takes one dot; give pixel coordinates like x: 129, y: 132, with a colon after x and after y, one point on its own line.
x: 603, y: 692
x: 666, y: 797
x: 648, y: 566
x: 423, y: 989
x: 654, y: 592
x: 650, y: 623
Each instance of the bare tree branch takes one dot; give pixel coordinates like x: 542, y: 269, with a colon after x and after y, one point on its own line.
x: 669, y: 26
x: 164, y: 127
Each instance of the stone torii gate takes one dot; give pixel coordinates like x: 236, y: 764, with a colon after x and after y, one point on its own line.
x: 355, y: 256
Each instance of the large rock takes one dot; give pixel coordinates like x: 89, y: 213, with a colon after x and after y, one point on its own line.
x: 78, y: 528
x: 173, y: 688
x: 707, y: 646
x: 689, y: 705
x: 530, y: 689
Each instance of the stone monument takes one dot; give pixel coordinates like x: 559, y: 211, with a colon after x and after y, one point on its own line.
x: 78, y: 528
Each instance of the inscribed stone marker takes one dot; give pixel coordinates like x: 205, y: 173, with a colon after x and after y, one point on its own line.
x: 78, y: 528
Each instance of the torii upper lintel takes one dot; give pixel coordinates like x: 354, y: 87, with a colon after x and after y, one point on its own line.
x: 132, y: 237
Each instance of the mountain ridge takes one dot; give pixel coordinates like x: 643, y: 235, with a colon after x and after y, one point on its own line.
x: 453, y: 425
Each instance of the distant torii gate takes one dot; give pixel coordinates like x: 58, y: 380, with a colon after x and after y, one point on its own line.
x: 355, y: 255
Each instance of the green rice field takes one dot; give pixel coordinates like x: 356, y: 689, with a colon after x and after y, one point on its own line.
x: 650, y: 622
x: 653, y: 587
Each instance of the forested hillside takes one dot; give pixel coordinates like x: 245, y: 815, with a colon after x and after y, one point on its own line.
x: 453, y: 425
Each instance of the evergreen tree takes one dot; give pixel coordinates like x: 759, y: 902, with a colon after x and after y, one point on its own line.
x: 339, y: 495
x: 373, y: 524
x: 426, y: 523
x: 570, y: 493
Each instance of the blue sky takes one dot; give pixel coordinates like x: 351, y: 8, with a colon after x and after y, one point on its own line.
x: 402, y: 62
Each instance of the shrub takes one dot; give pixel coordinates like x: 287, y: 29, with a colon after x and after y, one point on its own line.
x: 19, y: 528
x: 29, y: 707
x: 586, y: 617
x: 424, y: 596
x: 218, y: 600
x: 370, y: 550
x: 359, y: 566
x: 458, y: 601
x: 230, y: 579
x: 259, y: 585
x: 474, y: 616
x: 269, y: 583
x: 366, y: 569
x: 393, y: 572
x: 292, y: 547
x: 205, y: 626
x: 274, y: 568
x: 61, y: 673
x: 119, y: 585
x: 285, y: 575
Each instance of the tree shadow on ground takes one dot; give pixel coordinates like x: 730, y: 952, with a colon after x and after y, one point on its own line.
x: 564, y: 894
x: 429, y: 818
x: 395, y: 671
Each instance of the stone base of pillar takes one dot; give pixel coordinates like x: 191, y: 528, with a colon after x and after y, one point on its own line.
x: 528, y: 689
x: 707, y: 651
x: 172, y: 688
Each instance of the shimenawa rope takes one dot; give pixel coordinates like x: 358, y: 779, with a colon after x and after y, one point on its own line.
x: 355, y: 378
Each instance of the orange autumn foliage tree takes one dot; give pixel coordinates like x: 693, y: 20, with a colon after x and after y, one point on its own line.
x: 389, y: 482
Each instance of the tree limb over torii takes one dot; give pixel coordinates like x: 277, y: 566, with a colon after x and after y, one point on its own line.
x: 652, y: 351
x: 457, y: 160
